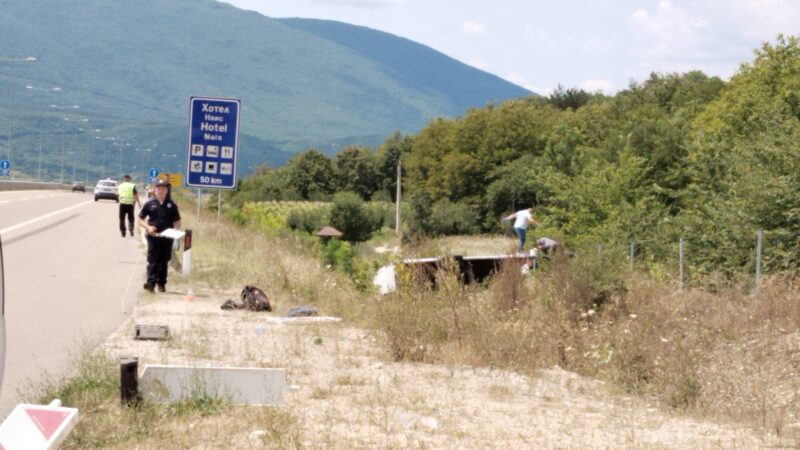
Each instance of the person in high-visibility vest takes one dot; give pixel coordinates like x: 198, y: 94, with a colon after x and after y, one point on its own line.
x: 128, y: 197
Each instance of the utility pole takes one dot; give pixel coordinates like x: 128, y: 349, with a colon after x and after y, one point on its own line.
x: 397, y: 202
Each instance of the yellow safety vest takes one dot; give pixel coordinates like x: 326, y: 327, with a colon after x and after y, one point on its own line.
x: 126, y: 193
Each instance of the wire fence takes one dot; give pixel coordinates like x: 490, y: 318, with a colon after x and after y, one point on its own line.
x: 681, y: 261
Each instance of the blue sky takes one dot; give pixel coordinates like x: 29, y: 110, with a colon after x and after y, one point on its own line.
x: 591, y: 44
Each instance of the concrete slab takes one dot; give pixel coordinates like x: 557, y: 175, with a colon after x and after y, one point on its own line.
x: 240, y: 385
x: 151, y: 332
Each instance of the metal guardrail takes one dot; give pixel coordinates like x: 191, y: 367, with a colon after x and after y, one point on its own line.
x: 27, y: 185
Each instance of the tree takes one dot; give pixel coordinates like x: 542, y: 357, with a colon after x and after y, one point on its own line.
x: 420, y: 212
x: 745, y: 164
x: 388, y: 156
x: 572, y: 98
x: 350, y: 216
x: 311, y: 174
x: 355, y: 171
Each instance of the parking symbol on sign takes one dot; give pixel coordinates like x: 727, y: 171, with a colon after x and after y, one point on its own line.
x: 197, y: 150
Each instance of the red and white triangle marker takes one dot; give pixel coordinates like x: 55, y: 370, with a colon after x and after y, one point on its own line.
x: 47, y: 420
x: 36, y: 427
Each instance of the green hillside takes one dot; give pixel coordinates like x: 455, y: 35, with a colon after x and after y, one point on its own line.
x: 132, y: 66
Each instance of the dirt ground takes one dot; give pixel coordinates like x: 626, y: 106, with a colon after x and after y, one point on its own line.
x: 343, y: 390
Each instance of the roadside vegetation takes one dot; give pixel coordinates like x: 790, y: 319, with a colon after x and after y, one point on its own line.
x: 678, y: 156
x: 723, y: 355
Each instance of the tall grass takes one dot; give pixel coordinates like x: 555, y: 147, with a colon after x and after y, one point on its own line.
x: 724, y: 354
x: 288, y: 266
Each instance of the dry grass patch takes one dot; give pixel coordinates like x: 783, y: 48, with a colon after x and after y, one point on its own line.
x: 723, y: 355
x: 385, y: 386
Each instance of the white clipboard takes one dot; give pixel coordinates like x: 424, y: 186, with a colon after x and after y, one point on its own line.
x: 172, y: 233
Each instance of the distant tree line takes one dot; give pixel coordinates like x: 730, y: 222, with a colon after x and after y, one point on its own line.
x: 677, y: 155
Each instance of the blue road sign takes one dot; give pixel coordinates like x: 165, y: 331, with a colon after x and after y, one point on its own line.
x: 5, y: 167
x: 213, y: 142
x: 153, y: 172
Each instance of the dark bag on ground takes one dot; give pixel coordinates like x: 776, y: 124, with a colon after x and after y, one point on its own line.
x: 253, y: 299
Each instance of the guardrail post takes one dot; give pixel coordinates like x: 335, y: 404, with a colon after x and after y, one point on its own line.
x: 187, y: 253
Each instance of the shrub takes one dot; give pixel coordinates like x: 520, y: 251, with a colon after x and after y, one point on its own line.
x: 306, y: 219
x: 340, y: 254
x: 419, y: 214
x: 448, y: 218
x: 352, y: 218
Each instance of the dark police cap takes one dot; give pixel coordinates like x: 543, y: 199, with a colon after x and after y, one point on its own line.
x: 162, y: 182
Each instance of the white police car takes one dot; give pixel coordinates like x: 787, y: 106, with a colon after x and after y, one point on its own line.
x: 106, y: 189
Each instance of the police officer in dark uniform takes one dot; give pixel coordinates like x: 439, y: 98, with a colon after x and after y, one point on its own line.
x: 161, y: 213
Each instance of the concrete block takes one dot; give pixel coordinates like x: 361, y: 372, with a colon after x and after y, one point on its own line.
x: 151, y: 332
x: 240, y: 385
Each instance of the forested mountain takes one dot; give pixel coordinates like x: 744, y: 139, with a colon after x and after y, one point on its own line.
x: 676, y: 156
x: 132, y: 66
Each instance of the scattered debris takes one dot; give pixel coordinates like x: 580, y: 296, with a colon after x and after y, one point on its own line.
x: 301, y: 320
x: 302, y: 311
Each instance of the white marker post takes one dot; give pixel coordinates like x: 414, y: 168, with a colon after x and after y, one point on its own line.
x: 187, y: 253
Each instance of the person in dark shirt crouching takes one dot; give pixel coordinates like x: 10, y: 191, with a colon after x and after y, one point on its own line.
x: 161, y: 213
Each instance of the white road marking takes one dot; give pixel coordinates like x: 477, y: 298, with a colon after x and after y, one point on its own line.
x: 130, y: 280
x: 34, y: 220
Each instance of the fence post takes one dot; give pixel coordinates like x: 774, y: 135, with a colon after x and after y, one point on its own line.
x: 680, y: 261
x: 632, y: 253
x: 758, y: 260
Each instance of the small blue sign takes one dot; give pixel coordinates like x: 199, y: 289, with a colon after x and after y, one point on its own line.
x: 153, y: 172
x: 5, y: 168
x: 213, y: 141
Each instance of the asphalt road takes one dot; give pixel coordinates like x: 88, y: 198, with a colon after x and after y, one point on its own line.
x: 70, y: 280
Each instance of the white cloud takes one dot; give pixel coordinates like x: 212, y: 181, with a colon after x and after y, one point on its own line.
x: 595, y: 85
x: 361, y: 3
x: 541, y: 90
x: 520, y: 80
x: 479, y: 64
x: 471, y: 27
x: 596, y: 45
x: 681, y: 37
x: 538, y: 37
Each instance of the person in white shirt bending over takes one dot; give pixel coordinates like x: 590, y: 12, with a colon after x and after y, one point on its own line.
x: 546, y: 245
x: 522, y: 219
